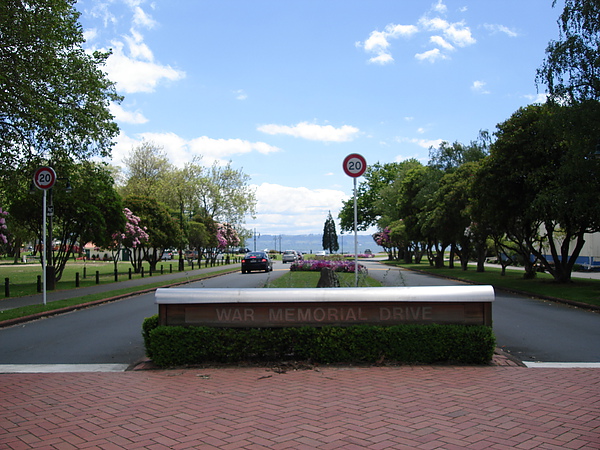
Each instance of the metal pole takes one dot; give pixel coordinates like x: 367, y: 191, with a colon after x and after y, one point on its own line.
x: 43, y: 254
x: 355, y: 239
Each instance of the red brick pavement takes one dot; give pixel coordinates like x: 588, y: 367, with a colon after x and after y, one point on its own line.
x: 424, y: 407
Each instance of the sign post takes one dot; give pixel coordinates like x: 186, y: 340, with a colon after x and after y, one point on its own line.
x: 354, y: 166
x: 44, y: 178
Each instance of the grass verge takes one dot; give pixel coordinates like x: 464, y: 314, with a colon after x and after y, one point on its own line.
x: 578, y: 291
x: 23, y: 277
x: 74, y: 302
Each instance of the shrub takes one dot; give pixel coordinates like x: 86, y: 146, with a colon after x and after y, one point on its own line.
x: 176, y: 346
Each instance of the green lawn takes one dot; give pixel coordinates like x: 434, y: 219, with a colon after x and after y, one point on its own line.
x: 578, y: 290
x: 23, y: 277
x: 52, y: 306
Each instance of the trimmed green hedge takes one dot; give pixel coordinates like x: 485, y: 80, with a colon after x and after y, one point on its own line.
x: 175, y: 346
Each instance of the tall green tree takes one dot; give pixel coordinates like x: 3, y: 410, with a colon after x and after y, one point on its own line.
x: 163, y: 231
x: 54, y: 96
x: 540, y: 184
x: 225, y: 195
x: 147, y: 170
x: 330, y: 240
x: 571, y: 70
x: 91, y: 212
x: 377, y: 177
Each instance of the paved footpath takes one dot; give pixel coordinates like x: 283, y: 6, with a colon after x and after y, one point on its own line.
x: 405, y: 407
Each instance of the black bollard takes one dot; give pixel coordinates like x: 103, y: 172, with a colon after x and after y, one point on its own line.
x: 130, y: 273
x: 97, y: 277
x: 6, y: 287
x: 76, y: 279
x: 39, y: 283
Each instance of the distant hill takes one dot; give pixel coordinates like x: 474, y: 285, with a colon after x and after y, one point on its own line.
x: 310, y: 243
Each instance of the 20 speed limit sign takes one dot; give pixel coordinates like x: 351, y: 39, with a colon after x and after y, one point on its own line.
x: 355, y: 165
x: 44, y: 178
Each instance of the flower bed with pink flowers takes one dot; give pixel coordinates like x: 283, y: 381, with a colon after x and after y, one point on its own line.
x: 315, y: 265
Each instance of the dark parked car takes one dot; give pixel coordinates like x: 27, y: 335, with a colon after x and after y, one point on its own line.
x: 256, y: 261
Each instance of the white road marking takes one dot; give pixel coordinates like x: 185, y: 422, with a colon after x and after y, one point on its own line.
x: 562, y: 365
x: 61, y: 368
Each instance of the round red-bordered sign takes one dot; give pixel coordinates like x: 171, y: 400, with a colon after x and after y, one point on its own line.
x: 44, y: 178
x: 355, y: 165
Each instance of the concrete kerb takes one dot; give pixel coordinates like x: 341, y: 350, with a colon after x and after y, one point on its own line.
x: 54, y: 312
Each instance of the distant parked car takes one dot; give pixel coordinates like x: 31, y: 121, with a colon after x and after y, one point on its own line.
x: 166, y: 255
x: 290, y: 256
x: 191, y: 255
x: 256, y: 261
x: 321, y: 253
x: 243, y: 250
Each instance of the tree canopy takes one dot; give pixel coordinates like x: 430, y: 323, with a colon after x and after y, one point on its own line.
x: 54, y: 96
x: 90, y: 212
x: 571, y: 70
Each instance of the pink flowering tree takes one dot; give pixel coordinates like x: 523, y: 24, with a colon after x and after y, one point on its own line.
x: 3, y: 238
x: 222, y: 236
x: 227, y: 236
x: 132, y: 238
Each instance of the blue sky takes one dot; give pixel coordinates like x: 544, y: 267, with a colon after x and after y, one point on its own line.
x: 285, y: 90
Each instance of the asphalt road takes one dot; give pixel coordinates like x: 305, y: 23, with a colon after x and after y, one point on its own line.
x: 532, y: 330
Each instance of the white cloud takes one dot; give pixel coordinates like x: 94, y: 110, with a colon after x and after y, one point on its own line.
x: 313, y: 132
x: 440, y: 7
x: 457, y: 33
x: 222, y: 149
x: 137, y: 49
x: 537, y: 98
x: 479, y: 87
x: 431, y: 55
x: 140, y: 18
x: 453, y: 34
x: 460, y: 34
x: 441, y: 42
x: 181, y: 151
x: 495, y: 28
x: 294, y: 210
x: 137, y: 75
x: 378, y: 41
x: 240, y: 94
x: 121, y: 115
x: 131, y: 65
x: 424, y: 143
